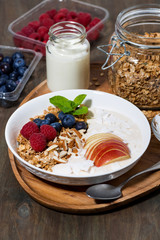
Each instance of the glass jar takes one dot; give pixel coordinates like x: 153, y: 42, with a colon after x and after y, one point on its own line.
x: 67, y: 57
x: 133, y: 56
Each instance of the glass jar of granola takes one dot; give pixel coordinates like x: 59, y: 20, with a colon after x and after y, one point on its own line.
x: 133, y: 56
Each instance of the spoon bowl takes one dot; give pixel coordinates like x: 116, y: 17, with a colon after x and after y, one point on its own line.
x: 110, y: 192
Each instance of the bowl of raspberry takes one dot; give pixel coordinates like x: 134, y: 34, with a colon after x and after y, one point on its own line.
x: 31, y: 29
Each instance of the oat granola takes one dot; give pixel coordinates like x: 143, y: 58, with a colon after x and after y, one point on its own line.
x: 137, y: 77
x: 66, y: 144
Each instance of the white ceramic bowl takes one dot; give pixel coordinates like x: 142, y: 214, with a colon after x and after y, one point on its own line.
x: 95, y: 99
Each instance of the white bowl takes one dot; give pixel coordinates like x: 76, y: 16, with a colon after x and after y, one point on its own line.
x: 95, y: 99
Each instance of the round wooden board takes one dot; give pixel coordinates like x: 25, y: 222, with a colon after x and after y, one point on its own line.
x: 73, y: 199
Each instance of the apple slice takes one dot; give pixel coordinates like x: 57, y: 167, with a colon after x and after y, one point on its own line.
x: 104, y: 148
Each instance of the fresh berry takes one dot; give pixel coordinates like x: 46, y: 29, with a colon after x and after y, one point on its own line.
x: 38, y: 142
x: 45, y: 121
x: 35, y: 36
x: 61, y: 115
x: 51, y: 117
x: 92, y: 35
x: 81, y: 125
x: 7, y: 60
x: 43, y: 16
x: 10, y: 85
x: 60, y: 17
x: 21, y: 70
x: 68, y: 121
x: 3, y: 89
x: 35, y: 25
x: 17, y: 55
x: 52, y: 13
x: 49, y: 132
x: 28, y: 30
x: 47, y: 22
x: 96, y: 21
x: 18, y: 62
x: 38, y: 121
x: 57, y: 126
x: 84, y: 18
x: 13, y: 75
x: 64, y: 11
x: 72, y: 16
x: 2, y: 81
x: 42, y: 30
x: 5, y: 68
x: 28, y: 129
x: 46, y: 37
x: 4, y: 76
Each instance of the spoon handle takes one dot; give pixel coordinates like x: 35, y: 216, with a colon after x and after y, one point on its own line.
x: 150, y: 169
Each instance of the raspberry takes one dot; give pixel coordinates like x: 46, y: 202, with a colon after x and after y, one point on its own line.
x: 42, y: 30
x: 28, y: 30
x: 52, y: 13
x: 84, y: 18
x: 28, y: 129
x: 46, y: 37
x: 38, y: 142
x: 40, y: 48
x: 93, y: 35
x: 48, y: 131
x: 35, y: 36
x: 60, y: 17
x: 35, y: 25
x: 65, y: 11
x: 72, y: 16
x: 47, y: 22
x: 17, y: 40
x: 95, y: 21
x: 43, y: 16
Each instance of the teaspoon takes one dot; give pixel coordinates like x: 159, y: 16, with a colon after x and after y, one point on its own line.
x: 110, y: 192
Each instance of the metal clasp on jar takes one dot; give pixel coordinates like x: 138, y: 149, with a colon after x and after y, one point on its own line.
x: 115, y: 40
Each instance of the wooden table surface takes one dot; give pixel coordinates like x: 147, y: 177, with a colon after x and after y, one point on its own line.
x: 23, y: 218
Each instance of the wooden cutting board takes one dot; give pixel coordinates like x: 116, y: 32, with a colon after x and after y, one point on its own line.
x: 73, y: 199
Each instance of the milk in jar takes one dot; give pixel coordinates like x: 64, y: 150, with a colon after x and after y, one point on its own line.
x: 67, y: 57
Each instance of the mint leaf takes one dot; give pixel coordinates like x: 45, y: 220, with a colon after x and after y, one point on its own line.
x: 79, y: 99
x: 80, y: 111
x: 63, y: 103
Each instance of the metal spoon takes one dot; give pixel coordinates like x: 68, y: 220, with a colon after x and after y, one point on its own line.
x: 109, y: 192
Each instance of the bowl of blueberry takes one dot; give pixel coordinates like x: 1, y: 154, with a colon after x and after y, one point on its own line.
x: 16, y: 67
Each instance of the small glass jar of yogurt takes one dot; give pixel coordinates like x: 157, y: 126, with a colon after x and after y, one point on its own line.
x: 67, y: 57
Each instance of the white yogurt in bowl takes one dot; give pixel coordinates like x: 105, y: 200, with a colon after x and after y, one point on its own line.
x: 110, y: 114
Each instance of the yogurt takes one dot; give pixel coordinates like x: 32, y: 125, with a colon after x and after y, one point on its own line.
x: 68, y: 62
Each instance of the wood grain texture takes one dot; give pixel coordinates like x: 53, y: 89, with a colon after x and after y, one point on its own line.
x: 21, y: 217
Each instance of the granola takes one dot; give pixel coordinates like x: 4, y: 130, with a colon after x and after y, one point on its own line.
x: 66, y: 144
x: 137, y: 77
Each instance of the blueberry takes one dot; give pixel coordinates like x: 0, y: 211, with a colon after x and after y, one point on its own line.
x: 19, y: 62
x: 68, y: 121
x: 1, y: 57
x: 51, y: 117
x: 13, y: 75
x: 3, y: 89
x: 10, y: 85
x: 38, y: 121
x: 5, y: 68
x: 45, y: 121
x: 2, y: 81
x: 17, y: 55
x: 7, y: 60
x: 81, y: 125
x: 57, y: 126
x: 4, y: 76
x: 61, y: 115
x: 21, y: 70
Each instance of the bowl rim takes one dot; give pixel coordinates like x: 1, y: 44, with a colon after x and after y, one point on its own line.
x: 79, y: 176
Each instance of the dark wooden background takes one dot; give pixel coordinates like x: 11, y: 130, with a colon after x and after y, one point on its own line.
x: 23, y: 218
